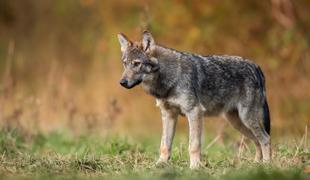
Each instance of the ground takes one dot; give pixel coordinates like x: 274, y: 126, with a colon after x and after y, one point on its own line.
x: 60, y: 155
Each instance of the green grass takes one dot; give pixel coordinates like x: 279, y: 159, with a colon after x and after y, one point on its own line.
x: 64, y: 156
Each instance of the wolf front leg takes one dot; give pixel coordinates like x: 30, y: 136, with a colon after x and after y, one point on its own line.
x: 169, y: 120
x: 195, y: 119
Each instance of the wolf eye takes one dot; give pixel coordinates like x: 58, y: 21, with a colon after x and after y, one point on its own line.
x: 136, y: 63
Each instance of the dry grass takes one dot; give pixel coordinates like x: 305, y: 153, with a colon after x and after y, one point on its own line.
x: 63, y: 72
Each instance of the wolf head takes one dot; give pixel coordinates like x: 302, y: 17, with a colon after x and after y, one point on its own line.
x: 137, y: 59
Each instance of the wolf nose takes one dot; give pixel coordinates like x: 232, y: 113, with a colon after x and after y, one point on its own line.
x: 123, y: 82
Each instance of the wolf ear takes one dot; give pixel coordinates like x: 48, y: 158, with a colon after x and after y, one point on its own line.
x: 148, y: 43
x: 124, y: 41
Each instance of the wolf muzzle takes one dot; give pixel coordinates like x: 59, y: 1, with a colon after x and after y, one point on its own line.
x: 129, y: 84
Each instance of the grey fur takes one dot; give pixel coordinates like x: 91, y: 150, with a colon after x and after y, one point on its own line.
x: 197, y: 86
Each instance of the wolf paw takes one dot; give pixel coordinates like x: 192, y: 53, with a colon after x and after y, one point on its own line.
x: 196, y: 165
x: 160, y: 163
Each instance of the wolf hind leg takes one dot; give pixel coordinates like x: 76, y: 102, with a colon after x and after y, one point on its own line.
x: 252, y: 118
x: 234, y: 119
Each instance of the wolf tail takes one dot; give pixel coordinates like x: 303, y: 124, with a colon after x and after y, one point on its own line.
x: 266, y: 115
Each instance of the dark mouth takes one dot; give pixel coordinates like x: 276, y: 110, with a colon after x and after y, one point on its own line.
x: 132, y: 84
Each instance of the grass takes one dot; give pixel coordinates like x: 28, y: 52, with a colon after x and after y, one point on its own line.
x: 64, y: 156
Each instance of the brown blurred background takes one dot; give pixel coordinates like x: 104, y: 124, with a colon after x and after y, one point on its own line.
x: 60, y: 60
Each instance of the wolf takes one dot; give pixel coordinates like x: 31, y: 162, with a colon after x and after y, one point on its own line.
x: 197, y: 86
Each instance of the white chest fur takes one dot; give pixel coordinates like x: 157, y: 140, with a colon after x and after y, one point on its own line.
x: 180, y: 102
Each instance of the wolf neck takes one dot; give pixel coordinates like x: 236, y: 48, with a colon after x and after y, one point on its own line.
x: 161, y: 83
x: 163, y: 53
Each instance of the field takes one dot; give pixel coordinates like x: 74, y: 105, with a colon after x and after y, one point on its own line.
x: 60, y: 155
x: 63, y: 114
